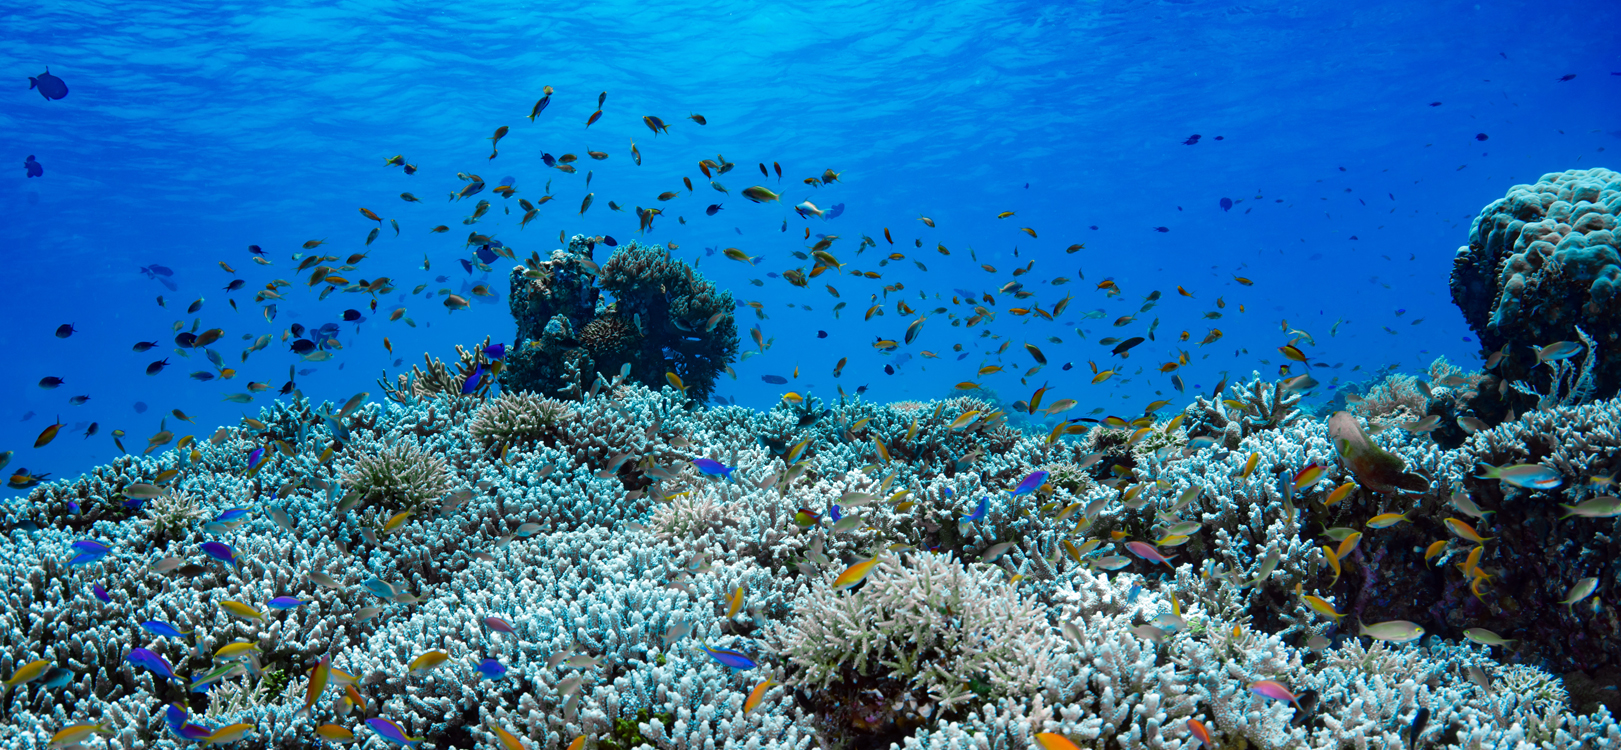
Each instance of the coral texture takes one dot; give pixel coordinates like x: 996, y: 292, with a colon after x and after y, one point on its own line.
x: 664, y: 318
x: 1542, y: 261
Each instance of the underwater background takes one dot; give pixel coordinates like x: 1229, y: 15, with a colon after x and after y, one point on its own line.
x: 1308, y: 189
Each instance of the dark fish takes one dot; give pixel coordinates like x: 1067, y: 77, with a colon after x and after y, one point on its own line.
x: 185, y: 340
x: 1192, y: 139
x: 835, y: 212
x: 52, y: 87
x: 94, y: 426
x: 1435, y: 104
x: 235, y: 285
x: 140, y: 407
x: 1068, y: 366
x: 467, y: 265
x: 256, y: 250
x: 1125, y: 346
x: 1480, y: 136
x: 774, y: 379
x: 714, y: 208
x: 50, y: 381
x: 821, y: 334
x: 551, y: 161
x: 1226, y: 204
x: 485, y: 254
x: 156, y: 270
x: 860, y: 389
x: 1162, y: 229
x: 195, y: 306
x: 157, y: 367
x: 78, y: 400
x: 351, y: 315
x: 1420, y: 719
x: 609, y: 241
x: 33, y: 167
x: 889, y: 369
x: 307, y: 371
x: 1565, y: 77
x: 202, y: 376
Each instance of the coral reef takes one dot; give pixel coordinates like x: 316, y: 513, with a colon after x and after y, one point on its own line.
x: 1245, y: 410
x: 1540, y: 262
x: 642, y: 314
x: 989, y: 616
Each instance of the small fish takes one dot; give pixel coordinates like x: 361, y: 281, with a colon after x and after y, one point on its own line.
x: 151, y: 662
x: 854, y: 574
x: 491, y: 669
x: 392, y: 733
x: 1395, y: 631
x: 1486, y: 637
x: 714, y: 468
x: 1529, y: 476
x: 1599, y: 507
x: 1274, y: 690
x: 729, y: 658
x: 427, y: 661
x: 1147, y: 552
x: 1583, y: 589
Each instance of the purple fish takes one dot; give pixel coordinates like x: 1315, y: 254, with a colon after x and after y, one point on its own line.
x: 1030, y: 483
x: 731, y: 659
x: 1226, y: 204
x: 90, y: 551
x: 714, y: 468
x: 177, y: 719
x: 392, y: 732
x: 220, y: 552
x: 101, y: 593
x: 492, y: 669
x: 286, y: 602
x: 152, y: 662
x: 255, y: 459
x: 495, y: 351
x: 473, y: 380
x: 232, y: 514
x: 979, y: 513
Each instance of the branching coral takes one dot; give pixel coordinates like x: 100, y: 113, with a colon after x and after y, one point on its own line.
x: 921, y: 635
x: 518, y: 418
x: 1253, y: 407
x: 401, y: 476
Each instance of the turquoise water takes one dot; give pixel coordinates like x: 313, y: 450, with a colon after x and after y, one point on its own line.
x: 192, y: 132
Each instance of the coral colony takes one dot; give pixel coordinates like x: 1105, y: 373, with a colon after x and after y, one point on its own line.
x: 559, y: 545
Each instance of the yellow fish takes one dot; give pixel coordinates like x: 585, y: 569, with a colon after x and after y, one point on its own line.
x: 854, y: 574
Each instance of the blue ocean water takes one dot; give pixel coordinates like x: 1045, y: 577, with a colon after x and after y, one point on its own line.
x: 1356, y: 142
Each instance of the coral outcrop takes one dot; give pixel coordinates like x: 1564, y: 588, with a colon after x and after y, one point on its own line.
x: 1541, y: 262
x: 642, y: 314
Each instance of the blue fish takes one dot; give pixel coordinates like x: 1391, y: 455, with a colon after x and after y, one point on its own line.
x: 1030, y: 483
x: 834, y: 512
x: 339, y: 432
x: 160, y: 628
x: 152, y: 662
x: 33, y: 167
x: 1226, y: 204
x: 495, y: 351
x: 979, y: 512
x: 492, y: 669
x: 285, y: 603
x: 731, y: 659
x: 714, y: 468
x: 221, y: 552
x: 56, y: 677
x: 379, y: 587
x: 178, y: 720
x: 90, y: 551
x: 101, y: 593
x: 774, y: 379
x: 232, y: 514
x: 255, y: 460
x: 473, y: 380
x: 392, y: 733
